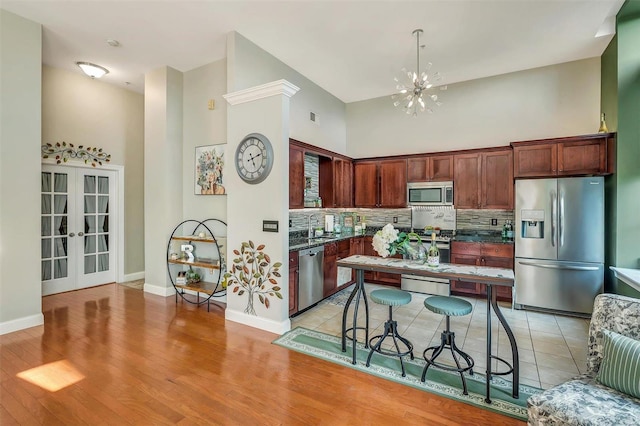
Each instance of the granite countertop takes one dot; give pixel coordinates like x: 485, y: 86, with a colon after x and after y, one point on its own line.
x: 301, y: 243
x: 494, y: 237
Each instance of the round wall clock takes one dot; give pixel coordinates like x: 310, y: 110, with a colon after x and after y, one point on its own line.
x: 254, y: 158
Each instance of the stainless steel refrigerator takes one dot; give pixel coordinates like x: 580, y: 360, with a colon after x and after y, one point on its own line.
x: 559, y: 229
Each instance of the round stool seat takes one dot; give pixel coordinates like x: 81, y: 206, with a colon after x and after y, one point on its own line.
x: 391, y: 297
x: 446, y: 305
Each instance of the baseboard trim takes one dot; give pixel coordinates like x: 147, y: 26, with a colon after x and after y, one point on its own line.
x: 159, y: 291
x: 134, y: 276
x: 258, y: 322
x: 21, y: 323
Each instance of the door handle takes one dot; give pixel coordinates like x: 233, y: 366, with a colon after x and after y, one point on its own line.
x: 552, y: 266
x: 553, y: 219
x: 561, y: 220
x: 80, y: 234
x: 72, y: 235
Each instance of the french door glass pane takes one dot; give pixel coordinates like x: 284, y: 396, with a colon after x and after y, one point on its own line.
x: 103, y: 243
x: 46, y: 270
x: 89, y: 204
x: 60, y: 182
x: 60, y: 268
x: 103, y: 185
x: 45, y: 204
x: 45, y: 226
x: 103, y: 262
x: 60, y: 204
x: 89, y: 264
x: 46, y: 248
x: 89, y: 224
x: 89, y: 244
x: 60, y: 225
x: 60, y: 247
x: 103, y: 223
x: 45, y: 185
x: 89, y: 184
x: 103, y: 204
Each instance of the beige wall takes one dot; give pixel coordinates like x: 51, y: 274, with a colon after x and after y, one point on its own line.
x: 20, y: 118
x: 82, y: 111
x: 554, y: 101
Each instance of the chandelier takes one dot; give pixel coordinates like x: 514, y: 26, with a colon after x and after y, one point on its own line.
x: 413, y: 87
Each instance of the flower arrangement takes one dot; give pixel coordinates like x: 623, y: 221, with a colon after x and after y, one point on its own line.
x: 389, y: 241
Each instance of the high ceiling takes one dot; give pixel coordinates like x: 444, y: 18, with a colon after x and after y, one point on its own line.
x: 353, y: 49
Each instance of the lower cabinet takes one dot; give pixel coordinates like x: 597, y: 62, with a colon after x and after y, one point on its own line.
x: 378, y: 277
x: 330, y: 269
x: 481, y: 254
x: 293, y: 282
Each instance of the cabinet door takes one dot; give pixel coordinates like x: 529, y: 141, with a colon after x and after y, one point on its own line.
x: 465, y: 287
x: 393, y: 183
x: 578, y: 158
x: 330, y: 269
x: 365, y: 176
x: 466, y: 171
x: 535, y: 160
x: 356, y: 245
x: 343, y: 179
x: 441, y: 168
x: 293, y: 282
x: 296, y: 177
x: 418, y: 169
x: 503, y: 292
x: 497, y: 180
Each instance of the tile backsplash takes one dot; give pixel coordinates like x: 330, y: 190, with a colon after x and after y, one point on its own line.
x: 480, y: 220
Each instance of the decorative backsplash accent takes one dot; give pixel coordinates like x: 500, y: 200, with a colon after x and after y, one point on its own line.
x: 372, y: 217
x: 480, y: 220
x: 312, y: 179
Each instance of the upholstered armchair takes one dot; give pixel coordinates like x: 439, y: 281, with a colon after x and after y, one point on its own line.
x: 611, y: 359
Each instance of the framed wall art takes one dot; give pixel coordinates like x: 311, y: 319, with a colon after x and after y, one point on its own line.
x: 209, y: 167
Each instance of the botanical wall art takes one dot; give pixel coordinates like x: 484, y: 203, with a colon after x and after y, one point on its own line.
x: 253, y: 274
x: 209, y: 170
x: 63, y: 151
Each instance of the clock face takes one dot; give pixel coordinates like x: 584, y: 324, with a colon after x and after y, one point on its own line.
x: 254, y: 158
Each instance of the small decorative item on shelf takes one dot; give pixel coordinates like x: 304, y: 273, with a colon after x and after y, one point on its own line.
x: 202, y: 234
x: 181, y: 279
x: 174, y: 256
x: 389, y: 241
x: 192, y: 276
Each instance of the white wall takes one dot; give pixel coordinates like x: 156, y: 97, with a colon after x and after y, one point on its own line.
x: 203, y: 127
x: 82, y: 111
x: 553, y: 101
x: 253, y: 66
x: 20, y: 120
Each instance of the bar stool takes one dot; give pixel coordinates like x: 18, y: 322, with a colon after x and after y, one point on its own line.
x: 449, y: 306
x: 390, y: 298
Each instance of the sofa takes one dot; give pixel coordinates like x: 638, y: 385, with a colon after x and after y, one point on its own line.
x: 586, y: 400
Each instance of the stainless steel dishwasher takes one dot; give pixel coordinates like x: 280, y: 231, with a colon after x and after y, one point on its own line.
x: 311, y: 277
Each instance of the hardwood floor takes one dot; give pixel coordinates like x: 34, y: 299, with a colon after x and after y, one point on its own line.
x: 142, y: 359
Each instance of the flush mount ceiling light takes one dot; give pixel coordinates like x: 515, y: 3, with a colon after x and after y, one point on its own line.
x: 413, y: 87
x: 92, y: 70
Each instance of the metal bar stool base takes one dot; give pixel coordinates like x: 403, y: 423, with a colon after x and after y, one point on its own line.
x: 448, y: 342
x: 390, y: 330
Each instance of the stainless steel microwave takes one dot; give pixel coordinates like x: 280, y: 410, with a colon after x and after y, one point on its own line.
x: 430, y: 194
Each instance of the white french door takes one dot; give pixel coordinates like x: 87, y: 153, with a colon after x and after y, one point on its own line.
x: 78, y: 228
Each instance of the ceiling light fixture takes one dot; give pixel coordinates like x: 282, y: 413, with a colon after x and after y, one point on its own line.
x: 413, y: 91
x: 92, y: 70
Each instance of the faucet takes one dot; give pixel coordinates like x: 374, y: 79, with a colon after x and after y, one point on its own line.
x: 310, y: 233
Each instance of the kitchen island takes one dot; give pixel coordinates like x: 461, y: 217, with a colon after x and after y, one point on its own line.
x: 490, y: 276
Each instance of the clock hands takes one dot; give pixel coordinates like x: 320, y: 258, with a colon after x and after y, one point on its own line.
x: 252, y: 158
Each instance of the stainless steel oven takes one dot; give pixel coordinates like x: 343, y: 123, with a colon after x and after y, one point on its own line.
x: 428, y: 285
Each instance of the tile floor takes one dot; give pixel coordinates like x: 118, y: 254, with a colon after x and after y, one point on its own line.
x: 552, y: 348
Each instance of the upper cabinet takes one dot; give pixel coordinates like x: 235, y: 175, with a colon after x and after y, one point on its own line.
x: 430, y: 168
x: 574, y: 156
x: 380, y: 183
x: 343, y: 182
x: 484, y: 180
x: 296, y: 177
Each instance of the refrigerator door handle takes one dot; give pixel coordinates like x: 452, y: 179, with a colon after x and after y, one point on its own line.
x: 561, y: 220
x: 554, y: 203
x: 553, y: 266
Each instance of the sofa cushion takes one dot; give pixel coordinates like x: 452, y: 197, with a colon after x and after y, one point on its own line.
x: 585, y: 402
x: 620, y: 366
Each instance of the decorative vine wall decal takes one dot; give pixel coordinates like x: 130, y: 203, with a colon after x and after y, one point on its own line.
x: 64, y: 151
x: 252, y: 273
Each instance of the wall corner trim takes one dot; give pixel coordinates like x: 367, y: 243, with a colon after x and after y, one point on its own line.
x: 159, y: 290
x: 278, y: 87
x: 258, y: 322
x: 21, y: 323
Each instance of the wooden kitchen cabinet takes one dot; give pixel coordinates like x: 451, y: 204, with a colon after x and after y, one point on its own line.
x: 330, y: 269
x: 481, y: 254
x: 380, y: 183
x: 430, y: 168
x: 293, y: 282
x: 378, y: 277
x: 356, y: 245
x: 572, y: 156
x: 296, y: 177
x: 484, y: 180
x: 344, y: 251
x: 343, y: 182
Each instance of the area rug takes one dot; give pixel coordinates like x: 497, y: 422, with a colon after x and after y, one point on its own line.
x: 137, y: 284
x: 449, y: 385
x: 340, y: 298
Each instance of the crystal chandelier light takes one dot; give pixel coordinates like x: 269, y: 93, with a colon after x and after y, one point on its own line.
x: 413, y: 87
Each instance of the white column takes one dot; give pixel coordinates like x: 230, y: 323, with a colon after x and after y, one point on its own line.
x: 262, y: 109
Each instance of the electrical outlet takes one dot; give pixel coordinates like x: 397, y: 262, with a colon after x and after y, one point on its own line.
x: 494, y: 222
x: 395, y: 219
